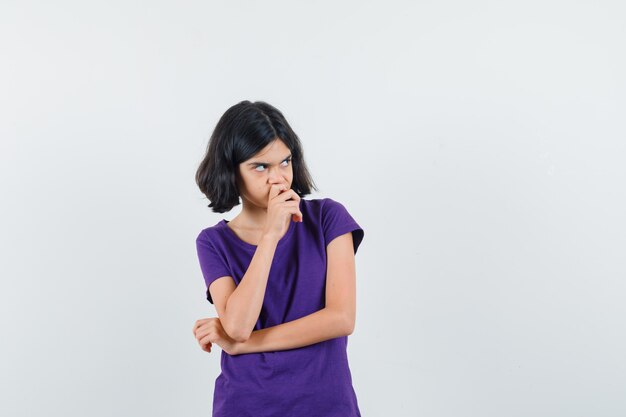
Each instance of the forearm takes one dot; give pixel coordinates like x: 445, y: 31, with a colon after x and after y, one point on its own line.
x: 317, y: 327
x: 244, y: 304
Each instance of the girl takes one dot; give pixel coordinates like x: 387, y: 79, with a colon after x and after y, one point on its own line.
x: 281, y: 274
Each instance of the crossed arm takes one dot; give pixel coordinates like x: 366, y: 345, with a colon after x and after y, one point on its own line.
x: 336, y: 319
x: 322, y: 325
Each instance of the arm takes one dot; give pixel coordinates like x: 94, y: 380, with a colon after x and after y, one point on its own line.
x: 317, y: 327
x: 242, y: 307
x: 336, y: 319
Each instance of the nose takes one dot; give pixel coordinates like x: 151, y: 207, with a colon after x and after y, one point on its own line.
x: 275, y: 177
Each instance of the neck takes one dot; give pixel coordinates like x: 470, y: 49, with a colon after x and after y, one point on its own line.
x: 251, y: 216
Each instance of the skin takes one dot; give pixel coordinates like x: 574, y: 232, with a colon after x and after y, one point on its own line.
x: 254, y: 183
x: 260, y: 186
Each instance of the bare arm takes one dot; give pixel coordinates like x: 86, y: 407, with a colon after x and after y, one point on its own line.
x: 317, y: 327
x: 243, y: 306
x: 335, y: 320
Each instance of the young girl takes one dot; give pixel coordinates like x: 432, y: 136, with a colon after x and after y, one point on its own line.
x: 281, y: 274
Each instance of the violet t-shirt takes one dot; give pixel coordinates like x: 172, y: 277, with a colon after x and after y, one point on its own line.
x: 312, y: 380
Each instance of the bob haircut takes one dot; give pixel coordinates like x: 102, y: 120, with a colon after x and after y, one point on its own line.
x: 243, y: 131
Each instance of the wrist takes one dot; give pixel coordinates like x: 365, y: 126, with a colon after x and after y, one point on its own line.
x: 269, y: 239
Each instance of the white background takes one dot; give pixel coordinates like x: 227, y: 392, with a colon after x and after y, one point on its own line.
x: 481, y: 146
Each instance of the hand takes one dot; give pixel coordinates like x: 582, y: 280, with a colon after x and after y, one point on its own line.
x: 283, y: 205
x: 208, y: 331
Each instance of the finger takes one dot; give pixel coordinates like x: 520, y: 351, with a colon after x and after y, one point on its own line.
x: 289, y: 195
x: 300, y: 215
x: 296, y: 215
x: 204, y: 331
x: 197, y: 329
x: 198, y: 323
x: 295, y: 211
x: 296, y: 197
x: 206, y: 339
x: 282, y: 189
x: 275, y: 189
x: 205, y: 346
x: 206, y: 325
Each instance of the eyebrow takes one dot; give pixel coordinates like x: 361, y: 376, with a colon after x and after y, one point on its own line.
x: 267, y: 163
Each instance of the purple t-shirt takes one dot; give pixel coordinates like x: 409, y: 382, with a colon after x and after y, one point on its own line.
x: 312, y: 380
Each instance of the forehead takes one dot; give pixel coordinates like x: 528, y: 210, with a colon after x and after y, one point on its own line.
x: 275, y: 152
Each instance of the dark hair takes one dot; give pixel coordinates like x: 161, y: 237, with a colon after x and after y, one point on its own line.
x: 243, y: 131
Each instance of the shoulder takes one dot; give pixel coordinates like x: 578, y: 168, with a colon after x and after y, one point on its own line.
x: 210, y: 234
x: 321, y: 205
x: 324, y: 209
x: 331, y: 213
x: 335, y: 220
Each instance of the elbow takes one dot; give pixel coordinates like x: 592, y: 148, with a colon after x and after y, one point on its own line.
x: 349, y: 322
x: 233, y: 328
x: 241, y: 337
x: 343, y: 321
x: 349, y: 327
x: 237, y: 334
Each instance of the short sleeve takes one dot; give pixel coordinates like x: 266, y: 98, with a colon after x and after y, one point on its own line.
x: 336, y: 221
x: 211, y: 263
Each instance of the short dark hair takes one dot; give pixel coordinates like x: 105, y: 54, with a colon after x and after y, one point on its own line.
x: 243, y: 131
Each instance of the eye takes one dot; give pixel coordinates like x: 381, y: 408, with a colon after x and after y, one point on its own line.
x: 288, y: 160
